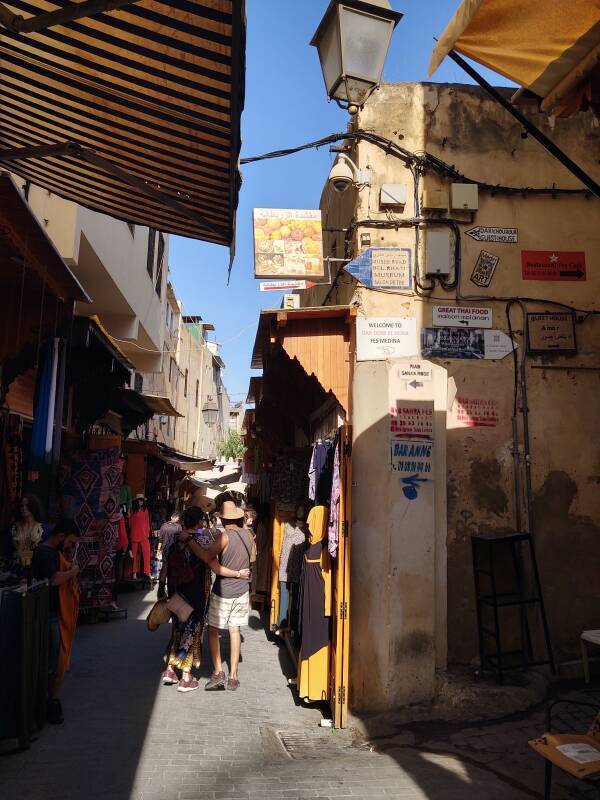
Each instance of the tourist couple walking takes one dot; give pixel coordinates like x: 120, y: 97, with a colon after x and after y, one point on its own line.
x: 190, y: 552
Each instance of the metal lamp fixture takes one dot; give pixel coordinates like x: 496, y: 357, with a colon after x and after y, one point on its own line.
x: 210, y: 411
x: 352, y: 40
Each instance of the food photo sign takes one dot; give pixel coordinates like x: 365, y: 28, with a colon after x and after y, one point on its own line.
x: 288, y: 243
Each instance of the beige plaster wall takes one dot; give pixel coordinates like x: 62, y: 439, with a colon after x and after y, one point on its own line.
x: 463, y: 127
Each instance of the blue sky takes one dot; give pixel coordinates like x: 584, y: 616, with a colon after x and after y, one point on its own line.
x: 286, y: 105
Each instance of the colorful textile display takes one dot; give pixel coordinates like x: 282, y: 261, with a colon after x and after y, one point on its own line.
x: 290, y: 479
x: 334, y: 506
x: 90, y: 484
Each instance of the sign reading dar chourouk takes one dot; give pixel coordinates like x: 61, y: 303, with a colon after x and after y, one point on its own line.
x: 288, y: 243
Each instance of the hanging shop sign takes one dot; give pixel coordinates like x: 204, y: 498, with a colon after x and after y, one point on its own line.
x: 288, y: 243
x: 553, y: 265
x: 284, y: 286
x: 412, y: 461
x: 383, y: 268
x: 461, y: 317
x: 551, y: 333
x: 378, y: 338
x: 484, y: 233
x: 484, y: 269
x: 459, y: 343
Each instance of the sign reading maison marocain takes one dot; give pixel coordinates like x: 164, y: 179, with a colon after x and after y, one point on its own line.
x: 553, y: 265
x: 483, y: 233
x: 288, y: 243
x: 461, y: 317
x: 383, y: 268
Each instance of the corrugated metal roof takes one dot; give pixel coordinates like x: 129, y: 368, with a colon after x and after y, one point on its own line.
x: 149, y: 95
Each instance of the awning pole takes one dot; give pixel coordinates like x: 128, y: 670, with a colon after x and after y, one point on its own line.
x: 564, y: 159
x: 91, y: 8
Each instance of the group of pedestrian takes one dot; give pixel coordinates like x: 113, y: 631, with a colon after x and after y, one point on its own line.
x: 192, y: 550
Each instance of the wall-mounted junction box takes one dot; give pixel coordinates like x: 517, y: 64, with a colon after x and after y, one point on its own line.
x: 464, y: 197
x: 434, y: 200
x: 438, y: 258
x: 392, y: 195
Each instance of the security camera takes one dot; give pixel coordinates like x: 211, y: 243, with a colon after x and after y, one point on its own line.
x: 345, y: 173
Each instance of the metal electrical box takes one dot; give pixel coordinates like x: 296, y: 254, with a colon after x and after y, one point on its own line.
x: 437, y: 252
x: 434, y: 200
x: 392, y: 195
x: 464, y: 197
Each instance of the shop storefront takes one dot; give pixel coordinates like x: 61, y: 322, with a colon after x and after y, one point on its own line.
x: 299, y: 458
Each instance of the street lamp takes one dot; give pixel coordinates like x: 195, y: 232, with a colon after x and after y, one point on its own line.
x: 352, y: 40
x: 210, y: 411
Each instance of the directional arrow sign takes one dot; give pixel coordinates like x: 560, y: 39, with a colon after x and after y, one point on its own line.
x: 553, y: 265
x: 415, y: 384
x: 488, y: 234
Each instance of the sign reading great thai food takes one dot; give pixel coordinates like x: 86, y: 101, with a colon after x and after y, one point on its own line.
x: 553, y: 265
x: 288, y: 243
x: 383, y: 268
x: 461, y: 317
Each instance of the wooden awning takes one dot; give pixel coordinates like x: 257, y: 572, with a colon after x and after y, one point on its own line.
x: 131, y: 109
x: 318, y: 338
x: 551, y: 48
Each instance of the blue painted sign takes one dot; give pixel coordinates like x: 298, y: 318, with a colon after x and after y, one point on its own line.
x: 413, y: 462
x: 383, y: 268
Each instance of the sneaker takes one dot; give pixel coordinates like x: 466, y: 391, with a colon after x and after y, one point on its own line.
x: 233, y: 684
x: 54, y: 713
x: 216, y: 682
x: 187, y: 686
x: 169, y: 677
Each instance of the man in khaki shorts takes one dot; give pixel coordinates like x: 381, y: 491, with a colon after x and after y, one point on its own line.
x: 230, y: 597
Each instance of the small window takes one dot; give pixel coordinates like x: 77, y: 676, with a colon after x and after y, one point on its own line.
x: 171, y: 370
x: 185, y: 383
x: 197, y: 392
x: 138, y: 382
x: 150, y: 255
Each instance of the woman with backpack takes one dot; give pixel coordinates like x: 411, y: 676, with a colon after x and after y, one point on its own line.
x: 188, y: 584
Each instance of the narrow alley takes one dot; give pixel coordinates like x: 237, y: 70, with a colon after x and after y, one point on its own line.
x: 126, y: 737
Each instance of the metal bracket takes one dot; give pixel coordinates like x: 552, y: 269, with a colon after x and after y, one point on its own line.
x: 15, y: 23
x: 76, y: 150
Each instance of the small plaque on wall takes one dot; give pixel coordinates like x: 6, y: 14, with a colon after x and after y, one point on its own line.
x: 551, y: 333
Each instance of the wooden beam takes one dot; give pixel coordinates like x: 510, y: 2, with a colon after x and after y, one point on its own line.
x: 16, y: 23
x: 282, y: 319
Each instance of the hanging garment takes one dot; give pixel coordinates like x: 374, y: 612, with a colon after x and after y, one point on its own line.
x: 284, y: 604
x: 139, y: 526
x: 68, y: 610
x: 260, y: 571
x: 315, y: 611
x: 333, y: 531
x: 90, y: 482
x: 123, y: 540
x: 292, y: 552
x: 141, y: 556
x: 125, y: 496
x: 320, y: 473
x: 290, y: 478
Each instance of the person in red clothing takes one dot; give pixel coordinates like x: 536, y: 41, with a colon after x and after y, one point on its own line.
x: 139, y: 534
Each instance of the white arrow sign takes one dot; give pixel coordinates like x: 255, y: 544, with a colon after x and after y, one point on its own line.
x: 488, y: 234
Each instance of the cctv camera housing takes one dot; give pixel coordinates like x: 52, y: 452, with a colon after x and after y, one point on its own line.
x: 341, y: 176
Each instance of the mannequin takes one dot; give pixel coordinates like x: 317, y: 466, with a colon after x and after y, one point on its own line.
x: 315, y: 611
x: 293, y: 546
x: 21, y: 538
x: 139, y: 528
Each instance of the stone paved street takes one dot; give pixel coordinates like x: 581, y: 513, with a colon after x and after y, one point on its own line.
x: 126, y: 737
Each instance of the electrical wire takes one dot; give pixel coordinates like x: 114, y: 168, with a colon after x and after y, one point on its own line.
x: 425, y: 161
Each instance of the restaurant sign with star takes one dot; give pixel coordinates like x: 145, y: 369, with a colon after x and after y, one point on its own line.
x: 553, y: 265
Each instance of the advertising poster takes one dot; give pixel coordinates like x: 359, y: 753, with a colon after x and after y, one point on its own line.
x: 288, y: 243
x: 378, y: 338
x: 484, y: 269
x: 465, y: 343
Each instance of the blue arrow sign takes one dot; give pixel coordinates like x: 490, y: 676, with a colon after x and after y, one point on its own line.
x: 383, y: 268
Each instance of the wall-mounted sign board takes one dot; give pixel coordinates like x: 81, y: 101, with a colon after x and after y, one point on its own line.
x: 288, y: 243
x: 484, y: 269
x: 483, y: 233
x: 551, y: 333
x: 468, y: 344
x: 383, y: 268
x: 553, y: 265
x: 284, y: 286
x: 378, y: 338
x: 461, y: 317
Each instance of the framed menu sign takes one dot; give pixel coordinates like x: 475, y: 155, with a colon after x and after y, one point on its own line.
x: 551, y: 333
x: 288, y: 243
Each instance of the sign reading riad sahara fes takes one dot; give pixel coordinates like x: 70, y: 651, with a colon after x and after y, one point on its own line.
x: 288, y: 243
x: 383, y: 268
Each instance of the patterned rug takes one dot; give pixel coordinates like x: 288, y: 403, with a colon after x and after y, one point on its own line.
x: 90, y: 484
